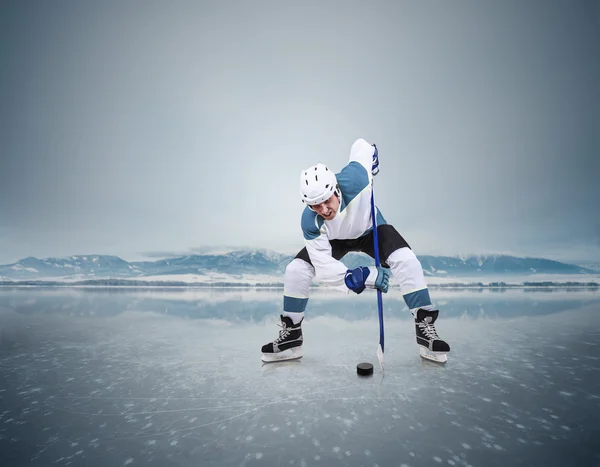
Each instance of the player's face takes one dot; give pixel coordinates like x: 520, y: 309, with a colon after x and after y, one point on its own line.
x: 327, y: 209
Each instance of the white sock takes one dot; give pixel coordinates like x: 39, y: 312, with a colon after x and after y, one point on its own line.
x: 296, y: 316
x: 426, y: 307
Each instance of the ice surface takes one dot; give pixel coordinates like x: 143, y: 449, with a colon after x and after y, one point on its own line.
x: 173, y: 377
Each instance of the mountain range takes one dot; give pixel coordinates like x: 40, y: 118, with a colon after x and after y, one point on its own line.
x: 239, y: 264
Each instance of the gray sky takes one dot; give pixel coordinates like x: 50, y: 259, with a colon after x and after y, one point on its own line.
x: 136, y: 127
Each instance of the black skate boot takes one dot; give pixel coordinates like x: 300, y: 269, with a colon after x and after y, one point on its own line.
x: 288, y: 346
x: 431, y: 346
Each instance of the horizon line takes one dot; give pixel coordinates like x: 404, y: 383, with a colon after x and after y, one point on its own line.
x: 161, y: 255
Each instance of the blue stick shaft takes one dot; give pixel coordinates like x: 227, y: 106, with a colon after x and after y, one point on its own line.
x: 377, y: 263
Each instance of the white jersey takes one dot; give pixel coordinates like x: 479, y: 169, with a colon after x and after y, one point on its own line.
x: 352, y: 220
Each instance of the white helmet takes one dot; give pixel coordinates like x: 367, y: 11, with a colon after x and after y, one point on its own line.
x: 318, y: 184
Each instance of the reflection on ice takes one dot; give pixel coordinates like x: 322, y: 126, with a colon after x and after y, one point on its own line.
x: 159, y: 378
x: 259, y: 305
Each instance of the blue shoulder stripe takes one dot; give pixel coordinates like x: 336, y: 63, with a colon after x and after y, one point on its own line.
x: 352, y: 180
x: 311, y: 224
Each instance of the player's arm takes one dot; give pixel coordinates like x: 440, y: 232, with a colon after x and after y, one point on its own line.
x: 328, y: 270
x: 367, y: 155
x: 333, y: 272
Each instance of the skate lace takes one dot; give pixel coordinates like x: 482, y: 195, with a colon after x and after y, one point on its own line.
x: 283, y: 332
x: 429, y: 330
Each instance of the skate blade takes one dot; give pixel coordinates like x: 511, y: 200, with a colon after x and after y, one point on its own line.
x: 438, y: 357
x: 290, y: 354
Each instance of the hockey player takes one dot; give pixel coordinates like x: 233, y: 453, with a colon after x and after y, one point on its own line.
x: 337, y: 220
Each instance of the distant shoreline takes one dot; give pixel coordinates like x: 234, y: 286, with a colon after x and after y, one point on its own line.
x: 117, y: 283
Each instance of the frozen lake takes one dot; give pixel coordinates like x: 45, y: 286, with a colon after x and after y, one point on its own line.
x: 173, y: 377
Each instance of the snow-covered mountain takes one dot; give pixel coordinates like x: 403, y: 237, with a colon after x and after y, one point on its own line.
x: 235, y: 262
x: 269, y: 265
x: 495, y: 265
x: 80, y: 266
x: 590, y: 266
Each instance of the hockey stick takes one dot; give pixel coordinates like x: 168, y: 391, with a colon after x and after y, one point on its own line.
x: 379, y: 297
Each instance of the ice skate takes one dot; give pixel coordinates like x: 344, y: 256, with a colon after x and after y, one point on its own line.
x: 288, y: 346
x: 431, y: 347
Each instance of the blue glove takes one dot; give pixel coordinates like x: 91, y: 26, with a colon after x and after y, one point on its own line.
x: 373, y: 278
x: 375, y: 167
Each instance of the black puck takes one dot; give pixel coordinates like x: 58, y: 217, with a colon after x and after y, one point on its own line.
x: 364, y: 369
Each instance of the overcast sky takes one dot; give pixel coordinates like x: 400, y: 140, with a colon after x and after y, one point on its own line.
x: 141, y: 128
